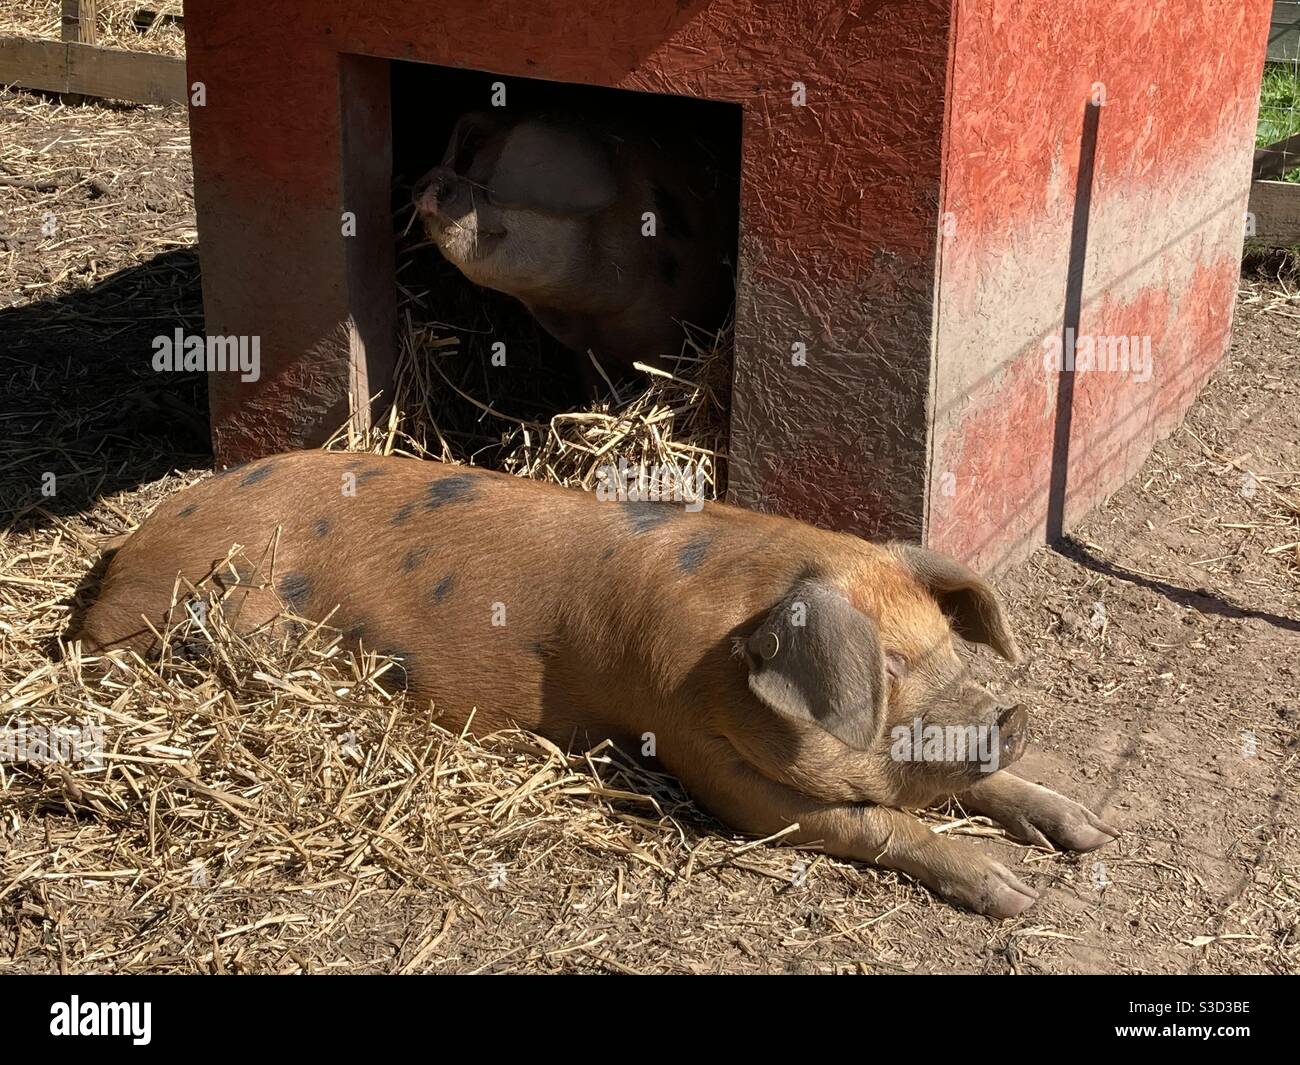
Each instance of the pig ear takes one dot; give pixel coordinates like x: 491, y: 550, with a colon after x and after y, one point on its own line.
x: 553, y: 170
x: 818, y: 659
x: 470, y: 131
x: 962, y: 594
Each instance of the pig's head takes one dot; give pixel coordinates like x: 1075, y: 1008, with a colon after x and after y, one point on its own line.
x: 550, y: 211
x: 867, y: 671
x: 511, y: 203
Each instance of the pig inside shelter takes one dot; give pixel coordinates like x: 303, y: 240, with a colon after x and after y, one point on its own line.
x: 550, y: 238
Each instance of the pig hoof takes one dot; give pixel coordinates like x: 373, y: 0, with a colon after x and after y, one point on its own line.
x: 1085, y: 835
x: 1063, y: 821
x: 993, y: 890
x: 1006, y: 895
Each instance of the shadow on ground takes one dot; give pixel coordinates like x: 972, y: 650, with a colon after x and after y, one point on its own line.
x: 84, y: 414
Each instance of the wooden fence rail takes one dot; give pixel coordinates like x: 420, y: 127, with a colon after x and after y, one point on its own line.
x: 76, y: 66
x: 67, y: 67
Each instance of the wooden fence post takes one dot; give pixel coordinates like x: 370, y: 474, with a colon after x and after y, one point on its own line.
x: 79, y: 27
x: 79, y: 21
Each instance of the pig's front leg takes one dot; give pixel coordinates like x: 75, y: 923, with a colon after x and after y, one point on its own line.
x: 729, y: 788
x: 1037, y: 814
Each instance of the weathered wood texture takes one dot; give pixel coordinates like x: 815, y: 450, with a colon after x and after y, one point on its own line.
x: 68, y: 67
x: 1276, y: 207
x: 78, y: 21
x: 1284, y: 32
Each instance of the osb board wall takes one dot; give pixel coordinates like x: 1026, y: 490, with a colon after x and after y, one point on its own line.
x: 1178, y: 81
x: 839, y: 202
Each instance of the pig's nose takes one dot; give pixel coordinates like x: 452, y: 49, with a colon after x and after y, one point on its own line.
x: 432, y: 189
x: 1013, y: 732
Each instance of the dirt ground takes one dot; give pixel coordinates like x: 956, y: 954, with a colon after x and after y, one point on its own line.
x: 1162, y: 658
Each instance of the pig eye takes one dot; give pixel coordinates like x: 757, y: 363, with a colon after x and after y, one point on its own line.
x: 896, y: 667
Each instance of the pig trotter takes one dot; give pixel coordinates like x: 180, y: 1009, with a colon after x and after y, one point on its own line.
x: 986, y: 886
x: 1038, y: 815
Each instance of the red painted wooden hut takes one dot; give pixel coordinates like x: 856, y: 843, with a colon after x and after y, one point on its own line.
x: 935, y: 193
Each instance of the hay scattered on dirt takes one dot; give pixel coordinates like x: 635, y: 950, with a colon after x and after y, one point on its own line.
x: 448, y: 406
x: 276, y: 767
x: 1279, y: 267
x: 86, y: 190
x: 141, y: 25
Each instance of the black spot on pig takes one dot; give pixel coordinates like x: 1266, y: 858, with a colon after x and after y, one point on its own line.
x: 449, y: 490
x: 673, y: 212
x: 185, y: 512
x: 296, y: 589
x: 253, y: 476
x: 403, y: 512
x: 414, y: 558
x: 691, y: 554
x: 356, y: 632
x: 644, y: 517
x: 320, y: 528
x: 539, y: 649
x: 607, y: 554
x: 443, y: 588
x: 370, y: 474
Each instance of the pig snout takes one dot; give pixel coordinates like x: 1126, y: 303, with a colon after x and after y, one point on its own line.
x: 1013, y: 733
x: 954, y: 747
x: 434, y: 189
x: 999, y: 738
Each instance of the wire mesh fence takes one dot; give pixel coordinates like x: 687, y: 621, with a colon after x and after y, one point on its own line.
x: 1277, y: 138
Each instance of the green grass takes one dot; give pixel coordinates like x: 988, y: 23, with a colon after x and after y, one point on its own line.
x: 1279, y: 108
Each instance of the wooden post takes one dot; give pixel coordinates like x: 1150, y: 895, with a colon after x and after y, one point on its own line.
x: 79, y: 27
x: 1276, y: 207
x: 79, y: 21
x: 307, y: 270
